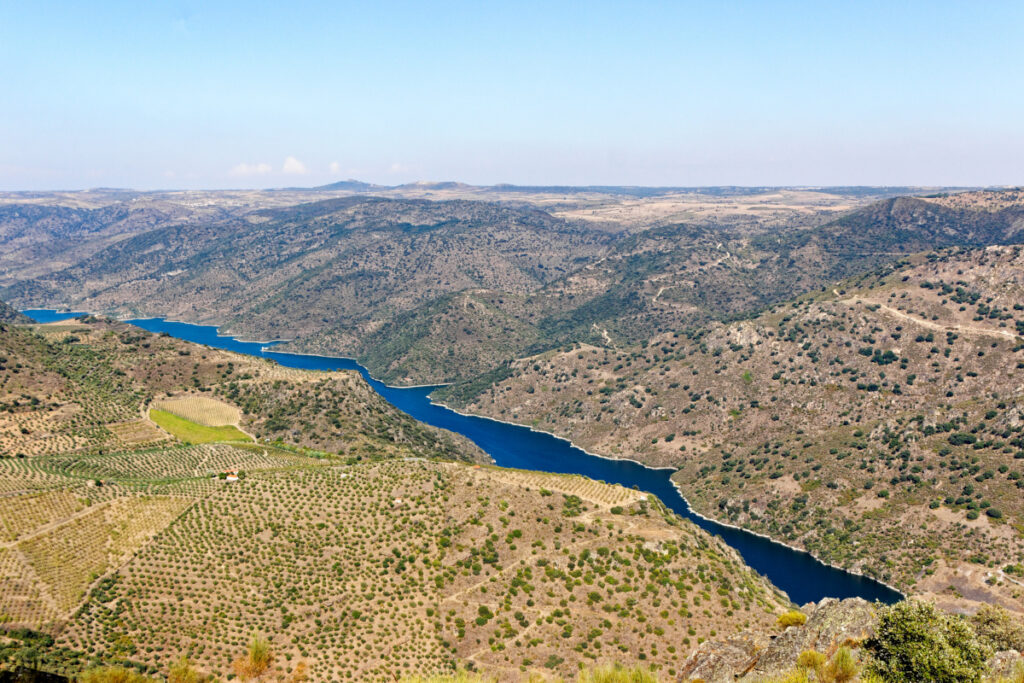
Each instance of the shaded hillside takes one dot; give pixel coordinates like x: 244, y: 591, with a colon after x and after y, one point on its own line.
x: 11, y: 316
x: 841, y: 422
x: 676, y: 276
x: 671, y: 277
x: 335, y: 270
x: 37, y: 240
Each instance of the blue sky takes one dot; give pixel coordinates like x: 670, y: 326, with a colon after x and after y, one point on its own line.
x: 230, y: 94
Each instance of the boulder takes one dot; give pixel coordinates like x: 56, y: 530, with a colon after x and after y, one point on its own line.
x: 720, y: 661
x: 1005, y: 664
x: 830, y: 624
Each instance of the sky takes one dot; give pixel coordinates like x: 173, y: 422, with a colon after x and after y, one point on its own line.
x: 163, y: 95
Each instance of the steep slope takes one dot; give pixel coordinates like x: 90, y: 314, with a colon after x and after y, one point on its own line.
x: 332, y: 272
x: 887, y: 406
x: 11, y: 316
x: 676, y: 276
x: 347, y: 533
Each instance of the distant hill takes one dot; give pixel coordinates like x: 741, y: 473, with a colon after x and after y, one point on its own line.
x: 434, y: 291
x: 349, y: 185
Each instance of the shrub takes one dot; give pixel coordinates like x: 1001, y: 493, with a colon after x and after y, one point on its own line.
x: 843, y: 667
x: 257, y: 660
x: 182, y: 672
x: 998, y: 629
x: 113, y: 674
x: 616, y: 674
x: 811, y: 660
x: 792, y: 618
x: 914, y: 641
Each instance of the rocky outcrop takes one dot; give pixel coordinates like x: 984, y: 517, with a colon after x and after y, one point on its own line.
x: 830, y: 624
x: 724, y: 660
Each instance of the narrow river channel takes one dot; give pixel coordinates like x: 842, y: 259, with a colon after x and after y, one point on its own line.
x: 804, y: 578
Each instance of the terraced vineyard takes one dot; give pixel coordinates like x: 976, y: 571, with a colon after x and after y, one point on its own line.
x: 22, y: 514
x: 67, y: 559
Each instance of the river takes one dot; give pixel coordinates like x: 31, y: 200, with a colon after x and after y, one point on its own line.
x: 804, y: 578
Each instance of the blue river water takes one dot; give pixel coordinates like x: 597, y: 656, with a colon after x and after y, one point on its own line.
x: 804, y: 578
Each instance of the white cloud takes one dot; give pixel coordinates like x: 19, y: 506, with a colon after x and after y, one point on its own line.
x: 244, y: 169
x: 335, y: 167
x: 293, y: 166
x: 398, y: 167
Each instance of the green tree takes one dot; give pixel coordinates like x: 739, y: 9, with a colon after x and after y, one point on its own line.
x: 915, y: 641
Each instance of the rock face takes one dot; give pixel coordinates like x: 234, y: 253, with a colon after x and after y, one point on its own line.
x: 830, y: 624
x: 724, y: 660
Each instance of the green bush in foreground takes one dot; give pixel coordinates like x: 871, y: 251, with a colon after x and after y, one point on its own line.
x: 915, y: 641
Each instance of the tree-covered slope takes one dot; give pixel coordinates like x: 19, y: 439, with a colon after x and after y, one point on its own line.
x: 886, y: 406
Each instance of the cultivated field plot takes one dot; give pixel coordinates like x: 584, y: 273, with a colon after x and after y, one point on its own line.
x: 137, y: 433
x: 162, y: 465
x: 22, y: 475
x: 22, y: 603
x: 68, y: 558
x: 201, y: 410
x: 306, y: 555
x: 608, y: 495
x: 192, y: 432
x: 374, y: 571
x: 21, y: 515
x: 40, y: 432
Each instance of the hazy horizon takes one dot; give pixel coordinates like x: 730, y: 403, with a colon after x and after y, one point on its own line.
x: 224, y: 95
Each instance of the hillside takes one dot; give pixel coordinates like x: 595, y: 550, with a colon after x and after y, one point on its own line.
x: 12, y: 316
x: 425, y: 288
x: 353, y: 539
x: 331, y: 272
x: 676, y: 276
x: 835, y: 423
x: 83, y: 386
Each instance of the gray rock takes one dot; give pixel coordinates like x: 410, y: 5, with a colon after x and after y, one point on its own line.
x: 830, y: 624
x: 720, y: 661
